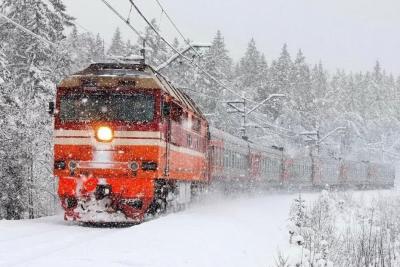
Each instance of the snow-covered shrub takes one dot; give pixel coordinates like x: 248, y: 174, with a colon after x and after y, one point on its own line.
x: 309, y: 228
x: 337, y: 230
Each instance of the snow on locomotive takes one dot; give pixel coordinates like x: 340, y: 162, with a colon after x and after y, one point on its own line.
x: 126, y: 143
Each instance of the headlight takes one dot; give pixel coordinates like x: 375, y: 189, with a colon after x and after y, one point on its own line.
x: 72, y: 165
x: 104, y: 134
x: 60, y: 165
x: 134, y: 166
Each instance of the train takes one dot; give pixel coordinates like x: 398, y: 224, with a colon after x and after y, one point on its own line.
x: 235, y: 162
x: 127, y: 144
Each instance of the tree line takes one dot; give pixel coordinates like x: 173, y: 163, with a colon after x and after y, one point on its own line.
x: 365, y: 102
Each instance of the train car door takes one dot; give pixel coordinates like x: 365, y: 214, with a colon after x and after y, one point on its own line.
x: 166, y: 113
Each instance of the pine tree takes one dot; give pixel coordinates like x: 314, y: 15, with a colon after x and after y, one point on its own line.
x: 248, y: 72
x: 98, y: 51
x: 319, y: 81
x: 117, y: 47
x: 218, y: 63
x: 301, y: 91
x: 280, y: 79
x: 76, y: 49
x: 319, y: 89
x: 131, y: 49
x: 156, y: 50
x: 35, y: 68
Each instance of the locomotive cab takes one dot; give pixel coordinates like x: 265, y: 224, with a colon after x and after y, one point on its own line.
x: 112, y: 145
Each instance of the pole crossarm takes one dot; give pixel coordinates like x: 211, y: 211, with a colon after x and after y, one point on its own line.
x: 265, y: 100
x: 177, y: 55
x: 330, y: 133
x: 231, y: 104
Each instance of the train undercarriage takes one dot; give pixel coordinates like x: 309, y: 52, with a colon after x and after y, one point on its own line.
x: 102, y: 206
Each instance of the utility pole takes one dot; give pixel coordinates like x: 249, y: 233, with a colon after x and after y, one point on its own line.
x: 314, y: 139
x: 143, y: 51
x: 244, y: 112
x: 30, y: 183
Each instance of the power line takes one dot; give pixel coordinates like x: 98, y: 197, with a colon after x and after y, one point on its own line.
x: 22, y: 28
x: 172, y: 47
x: 126, y: 21
x: 189, y: 44
x: 176, y: 28
x: 180, y: 33
x: 82, y: 27
x: 205, y: 72
x: 140, y: 36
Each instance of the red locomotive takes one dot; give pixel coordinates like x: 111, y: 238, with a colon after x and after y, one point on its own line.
x: 128, y: 143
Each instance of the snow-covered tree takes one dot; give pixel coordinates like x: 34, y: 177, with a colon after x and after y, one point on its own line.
x: 35, y: 68
x: 156, y: 50
x: 131, y: 49
x: 280, y: 75
x: 117, y: 47
x: 248, y: 73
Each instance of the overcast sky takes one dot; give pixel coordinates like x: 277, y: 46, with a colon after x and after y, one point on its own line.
x: 347, y: 34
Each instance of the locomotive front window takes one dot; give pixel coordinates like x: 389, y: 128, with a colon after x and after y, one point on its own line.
x: 107, y: 107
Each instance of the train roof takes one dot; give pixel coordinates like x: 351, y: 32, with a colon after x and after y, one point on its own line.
x: 137, y: 74
x: 237, y: 141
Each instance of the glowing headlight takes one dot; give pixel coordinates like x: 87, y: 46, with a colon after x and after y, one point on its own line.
x: 104, y: 134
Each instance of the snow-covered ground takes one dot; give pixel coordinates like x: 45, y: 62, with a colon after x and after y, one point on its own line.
x: 246, y: 231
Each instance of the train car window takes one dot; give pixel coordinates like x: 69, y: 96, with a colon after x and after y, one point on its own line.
x: 221, y: 161
x: 107, y: 107
x: 217, y: 156
x: 221, y: 156
x: 176, y: 112
x: 166, y: 109
x: 189, y: 140
x: 196, y: 124
x: 264, y: 166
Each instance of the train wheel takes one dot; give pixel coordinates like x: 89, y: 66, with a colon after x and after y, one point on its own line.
x: 159, y: 204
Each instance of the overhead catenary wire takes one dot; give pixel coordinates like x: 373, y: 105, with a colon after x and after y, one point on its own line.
x: 82, y: 27
x: 205, y: 72
x: 126, y: 21
x: 155, y: 30
x: 176, y: 27
x: 171, y: 46
x: 187, y: 41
